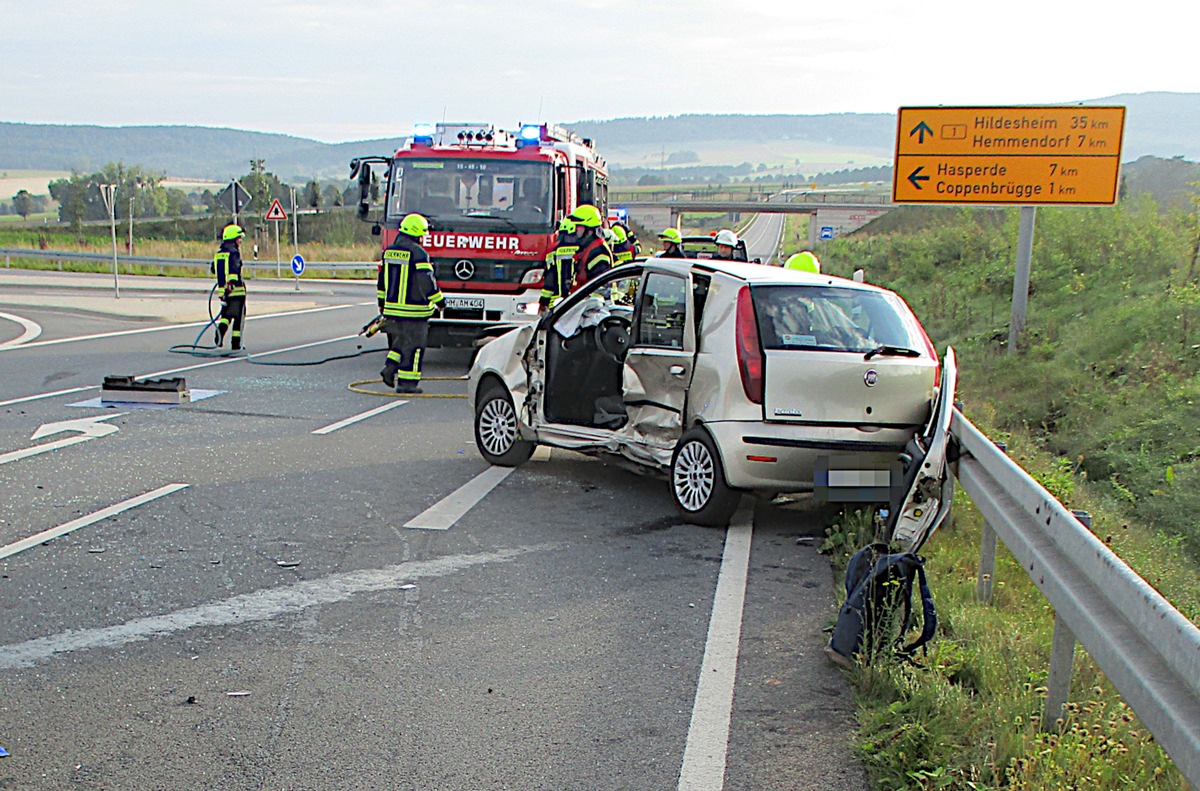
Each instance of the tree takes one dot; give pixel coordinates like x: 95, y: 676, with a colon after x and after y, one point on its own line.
x: 312, y: 194
x: 331, y: 195
x: 23, y: 204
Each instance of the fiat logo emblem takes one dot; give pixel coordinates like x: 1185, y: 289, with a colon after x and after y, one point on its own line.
x: 464, y: 269
x: 871, y: 377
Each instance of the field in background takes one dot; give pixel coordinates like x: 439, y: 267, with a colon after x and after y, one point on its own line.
x: 34, y: 181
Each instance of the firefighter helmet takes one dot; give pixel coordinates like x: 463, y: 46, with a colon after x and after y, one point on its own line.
x: 727, y: 237
x: 566, y: 225
x: 620, y: 234
x: 671, y: 235
x: 232, y: 232
x: 414, y: 225
x: 804, y: 262
x: 587, y: 215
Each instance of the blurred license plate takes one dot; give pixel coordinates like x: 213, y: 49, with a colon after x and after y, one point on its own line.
x: 470, y: 303
x: 846, y: 479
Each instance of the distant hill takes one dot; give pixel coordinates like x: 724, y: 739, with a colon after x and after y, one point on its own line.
x: 1157, y: 124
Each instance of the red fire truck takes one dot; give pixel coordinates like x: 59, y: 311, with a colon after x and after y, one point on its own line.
x: 494, y: 200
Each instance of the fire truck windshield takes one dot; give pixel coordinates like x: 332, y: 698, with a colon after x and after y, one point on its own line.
x: 476, y: 194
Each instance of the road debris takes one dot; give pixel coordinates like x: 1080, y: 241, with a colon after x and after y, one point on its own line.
x: 238, y: 694
x: 287, y: 564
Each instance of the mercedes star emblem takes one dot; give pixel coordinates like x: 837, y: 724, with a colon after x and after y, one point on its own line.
x: 464, y: 269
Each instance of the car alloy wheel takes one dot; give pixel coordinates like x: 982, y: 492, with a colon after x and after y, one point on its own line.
x: 498, y: 426
x: 693, y: 476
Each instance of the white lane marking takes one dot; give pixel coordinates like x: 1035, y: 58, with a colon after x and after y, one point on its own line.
x: 32, y: 330
x: 222, y: 361
x: 361, y: 416
x: 708, y: 735
x: 541, y: 453
x: 444, y: 513
x: 260, y: 605
x: 84, y: 521
x: 89, y: 428
x: 40, y: 396
x: 165, y: 327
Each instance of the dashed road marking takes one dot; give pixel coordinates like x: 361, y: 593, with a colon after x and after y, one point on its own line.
x: 332, y: 427
x: 445, y: 512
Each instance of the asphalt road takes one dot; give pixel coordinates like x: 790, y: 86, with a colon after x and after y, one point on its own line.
x: 263, y: 616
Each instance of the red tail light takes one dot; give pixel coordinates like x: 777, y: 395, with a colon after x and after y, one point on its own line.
x: 749, y: 347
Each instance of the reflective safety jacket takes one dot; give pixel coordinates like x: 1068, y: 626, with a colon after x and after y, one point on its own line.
x: 623, y: 253
x: 406, y: 287
x: 560, y: 270
x: 227, y: 266
x: 593, y: 260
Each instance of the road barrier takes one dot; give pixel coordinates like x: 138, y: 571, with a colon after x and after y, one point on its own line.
x: 1146, y: 647
x: 369, y: 268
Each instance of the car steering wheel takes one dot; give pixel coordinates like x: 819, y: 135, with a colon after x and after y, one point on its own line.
x: 612, y: 337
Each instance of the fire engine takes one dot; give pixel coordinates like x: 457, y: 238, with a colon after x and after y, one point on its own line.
x: 494, y: 200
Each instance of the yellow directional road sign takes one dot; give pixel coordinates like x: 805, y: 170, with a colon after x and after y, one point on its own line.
x: 1008, y: 155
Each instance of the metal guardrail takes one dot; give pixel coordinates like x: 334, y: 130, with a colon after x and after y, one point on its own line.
x: 1146, y: 647
x: 21, y: 253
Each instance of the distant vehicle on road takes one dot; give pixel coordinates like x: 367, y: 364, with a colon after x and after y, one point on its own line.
x: 728, y: 377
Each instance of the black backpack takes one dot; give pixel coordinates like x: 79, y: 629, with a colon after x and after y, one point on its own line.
x: 878, y: 586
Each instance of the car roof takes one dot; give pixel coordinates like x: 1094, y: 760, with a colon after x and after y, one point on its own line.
x: 756, y: 274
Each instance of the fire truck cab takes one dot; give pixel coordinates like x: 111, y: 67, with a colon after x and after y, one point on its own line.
x: 493, y: 200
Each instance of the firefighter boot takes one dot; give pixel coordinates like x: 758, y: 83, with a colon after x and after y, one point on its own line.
x: 388, y: 375
x: 410, y: 388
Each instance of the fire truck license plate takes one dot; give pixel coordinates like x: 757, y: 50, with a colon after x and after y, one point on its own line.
x: 470, y: 303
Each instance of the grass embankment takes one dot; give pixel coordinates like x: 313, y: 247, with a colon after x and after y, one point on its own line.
x: 1100, y: 405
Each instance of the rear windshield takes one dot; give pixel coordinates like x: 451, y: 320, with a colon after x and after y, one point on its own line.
x: 827, y: 318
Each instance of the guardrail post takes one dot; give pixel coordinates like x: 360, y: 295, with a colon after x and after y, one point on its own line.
x: 987, y: 564
x: 1062, y: 662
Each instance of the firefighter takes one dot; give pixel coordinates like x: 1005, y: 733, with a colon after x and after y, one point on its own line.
x: 622, y: 246
x: 594, y: 256
x: 408, y: 293
x: 726, y: 241
x: 672, y: 244
x: 227, y: 266
x: 560, y: 266
x: 805, y: 261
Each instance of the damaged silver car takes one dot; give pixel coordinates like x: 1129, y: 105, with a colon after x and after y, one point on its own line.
x: 728, y: 377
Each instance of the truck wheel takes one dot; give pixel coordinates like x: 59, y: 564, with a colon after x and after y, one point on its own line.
x: 496, y: 433
x: 698, y: 481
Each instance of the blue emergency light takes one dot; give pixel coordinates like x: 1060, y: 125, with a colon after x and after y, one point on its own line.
x: 423, y: 133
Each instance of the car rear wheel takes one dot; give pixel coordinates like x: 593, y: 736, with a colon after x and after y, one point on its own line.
x: 496, y: 433
x: 698, y: 481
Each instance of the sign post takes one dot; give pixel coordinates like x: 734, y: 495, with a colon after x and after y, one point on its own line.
x: 109, y: 192
x: 276, y: 213
x: 298, y: 268
x: 1022, y: 156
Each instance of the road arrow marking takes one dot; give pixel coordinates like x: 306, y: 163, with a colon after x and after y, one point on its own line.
x: 88, y: 428
x: 920, y: 130
x: 915, y: 178
x: 30, y: 330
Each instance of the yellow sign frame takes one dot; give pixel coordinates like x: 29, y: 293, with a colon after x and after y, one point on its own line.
x: 1027, y: 156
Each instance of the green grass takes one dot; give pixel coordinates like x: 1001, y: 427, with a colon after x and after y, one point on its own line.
x: 1101, y: 405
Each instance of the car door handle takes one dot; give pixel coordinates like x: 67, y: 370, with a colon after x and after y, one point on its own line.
x: 676, y: 370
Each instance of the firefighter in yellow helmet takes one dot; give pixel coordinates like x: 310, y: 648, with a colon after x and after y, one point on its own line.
x: 672, y: 243
x: 805, y: 261
x: 227, y: 266
x: 560, y: 266
x: 594, y: 256
x: 622, y: 245
x: 408, y: 292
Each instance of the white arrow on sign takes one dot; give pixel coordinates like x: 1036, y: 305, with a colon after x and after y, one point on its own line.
x: 88, y: 428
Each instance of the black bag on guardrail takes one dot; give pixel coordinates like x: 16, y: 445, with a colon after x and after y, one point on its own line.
x: 879, y: 588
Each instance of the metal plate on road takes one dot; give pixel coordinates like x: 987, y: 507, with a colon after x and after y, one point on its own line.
x: 1027, y: 156
x: 471, y: 303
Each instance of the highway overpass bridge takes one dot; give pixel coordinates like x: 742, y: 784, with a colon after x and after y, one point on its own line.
x: 828, y: 218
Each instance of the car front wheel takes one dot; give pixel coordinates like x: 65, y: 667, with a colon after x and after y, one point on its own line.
x: 496, y: 433
x: 698, y: 481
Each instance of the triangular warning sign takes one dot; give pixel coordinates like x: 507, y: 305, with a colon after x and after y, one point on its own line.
x: 276, y: 211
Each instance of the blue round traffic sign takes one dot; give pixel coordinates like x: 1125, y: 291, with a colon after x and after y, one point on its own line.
x: 298, y: 264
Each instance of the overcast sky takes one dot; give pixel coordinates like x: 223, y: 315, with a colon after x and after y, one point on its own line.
x: 355, y: 69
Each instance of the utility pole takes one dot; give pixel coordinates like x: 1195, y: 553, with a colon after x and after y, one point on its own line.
x: 130, y: 248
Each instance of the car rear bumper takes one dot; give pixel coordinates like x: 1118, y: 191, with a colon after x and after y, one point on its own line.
x: 775, y: 457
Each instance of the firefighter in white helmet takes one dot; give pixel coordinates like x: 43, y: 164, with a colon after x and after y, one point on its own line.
x: 726, y: 241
